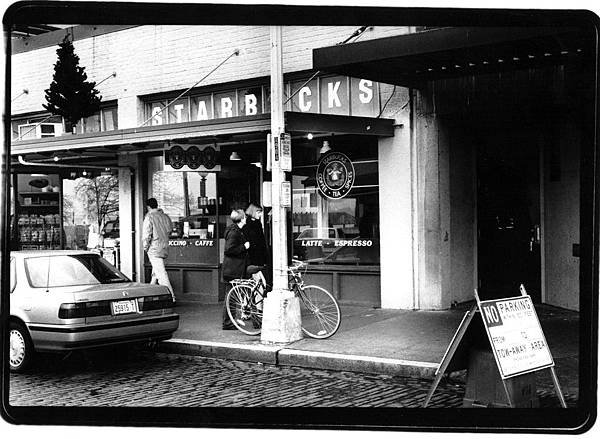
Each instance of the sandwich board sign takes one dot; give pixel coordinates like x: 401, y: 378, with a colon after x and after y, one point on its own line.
x: 515, y: 336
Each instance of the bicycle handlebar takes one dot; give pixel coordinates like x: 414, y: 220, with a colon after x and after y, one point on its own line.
x: 297, y: 264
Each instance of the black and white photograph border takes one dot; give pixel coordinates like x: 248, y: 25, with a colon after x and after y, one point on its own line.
x: 357, y: 390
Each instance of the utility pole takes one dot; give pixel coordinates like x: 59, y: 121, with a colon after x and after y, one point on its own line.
x: 281, y: 310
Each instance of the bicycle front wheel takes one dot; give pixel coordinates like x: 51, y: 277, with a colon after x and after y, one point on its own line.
x: 320, y: 312
x: 244, y: 309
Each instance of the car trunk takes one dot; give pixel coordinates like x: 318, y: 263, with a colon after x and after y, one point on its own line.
x: 121, y: 301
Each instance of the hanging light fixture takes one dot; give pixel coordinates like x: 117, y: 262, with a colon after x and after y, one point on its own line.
x: 234, y: 156
x: 325, y: 148
x: 309, y: 136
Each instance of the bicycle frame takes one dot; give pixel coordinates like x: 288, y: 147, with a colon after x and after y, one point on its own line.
x: 244, y: 304
x: 257, y: 283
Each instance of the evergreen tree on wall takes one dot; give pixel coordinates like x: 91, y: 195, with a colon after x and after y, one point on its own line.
x: 70, y: 94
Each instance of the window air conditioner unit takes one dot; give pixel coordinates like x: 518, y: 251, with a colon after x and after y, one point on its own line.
x: 39, y: 131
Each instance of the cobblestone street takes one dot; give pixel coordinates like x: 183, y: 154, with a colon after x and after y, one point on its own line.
x: 148, y: 379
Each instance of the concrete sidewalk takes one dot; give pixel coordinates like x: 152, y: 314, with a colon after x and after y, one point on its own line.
x: 391, y: 342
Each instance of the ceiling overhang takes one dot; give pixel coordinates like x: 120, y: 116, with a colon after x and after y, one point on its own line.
x: 105, y: 146
x: 315, y: 123
x: 413, y: 59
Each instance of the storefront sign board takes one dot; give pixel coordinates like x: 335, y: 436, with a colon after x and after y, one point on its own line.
x: 515, y: 334
x: 186, y: 158
x: 275, y: 149
x: 266, y: 194
x: 335, y: 175
x: 286, y: 194
x: 339, y: 95
x: 286, y: 152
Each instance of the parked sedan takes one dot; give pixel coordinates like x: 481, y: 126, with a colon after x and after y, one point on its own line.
x: 63, y: 300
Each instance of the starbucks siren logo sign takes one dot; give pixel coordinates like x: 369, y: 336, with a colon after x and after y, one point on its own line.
x: 335, y: 175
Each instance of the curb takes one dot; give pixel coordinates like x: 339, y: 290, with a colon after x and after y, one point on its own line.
x: 279, y: 355
x: 356, y: 363
x: 232, y: 351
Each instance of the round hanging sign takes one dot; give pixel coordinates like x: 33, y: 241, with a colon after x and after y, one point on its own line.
x: 176, y: 157
x: 210, y: 157
x: 335, y: 175
x: 194, y: 157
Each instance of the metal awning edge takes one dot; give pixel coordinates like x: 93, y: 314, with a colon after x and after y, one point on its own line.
x: 421, y: 43
x: 295, y: 121
x: 338, y: 124
x: 134, y: 135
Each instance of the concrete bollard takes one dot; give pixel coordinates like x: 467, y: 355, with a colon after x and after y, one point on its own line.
x: 281, y: 318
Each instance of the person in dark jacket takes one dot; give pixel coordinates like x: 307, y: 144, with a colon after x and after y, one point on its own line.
x: 235, y: 255
x: 253, y: 230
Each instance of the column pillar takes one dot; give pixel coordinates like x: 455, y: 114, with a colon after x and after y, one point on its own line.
x: 130, y: 217
x: 281, y: 312
x: 396, y: 212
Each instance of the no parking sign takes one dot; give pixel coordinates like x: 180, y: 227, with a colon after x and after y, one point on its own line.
x: 515, y: 334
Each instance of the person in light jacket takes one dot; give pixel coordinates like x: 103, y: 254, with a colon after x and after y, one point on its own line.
x: 155, y: 237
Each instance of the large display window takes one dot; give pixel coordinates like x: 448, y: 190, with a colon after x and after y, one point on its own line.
x: 336, y: 231
x: 190, y: 199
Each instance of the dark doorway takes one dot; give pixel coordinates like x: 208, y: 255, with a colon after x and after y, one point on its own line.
x: 508, y: 213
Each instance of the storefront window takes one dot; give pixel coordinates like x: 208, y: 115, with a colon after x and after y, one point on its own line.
x: 305, y: 97
x: 36, y: 127
x: 201, y: 107
x: 341, y: 231
x: 225, y: 105
x: 190, y: 200
x: 90, y: 124
x: 250, y: 101
x: 109, y: 119
x: 104, y: 120
x: 90, y: 209
x: 179, y: 111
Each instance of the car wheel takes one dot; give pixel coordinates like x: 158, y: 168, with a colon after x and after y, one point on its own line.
x: 21, y: 348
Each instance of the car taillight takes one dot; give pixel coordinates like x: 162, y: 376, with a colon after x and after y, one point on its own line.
x: 71, y: 310
x: 157, y: 302
x: 84, y: 309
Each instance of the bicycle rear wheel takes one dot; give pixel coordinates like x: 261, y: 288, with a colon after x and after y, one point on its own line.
x: 320, y: 312
x: 244, y: 307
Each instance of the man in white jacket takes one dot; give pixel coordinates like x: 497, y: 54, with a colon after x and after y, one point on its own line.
x: 155, y: 237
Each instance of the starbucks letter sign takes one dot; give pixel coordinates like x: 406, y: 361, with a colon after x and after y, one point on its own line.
x: 335, y: 175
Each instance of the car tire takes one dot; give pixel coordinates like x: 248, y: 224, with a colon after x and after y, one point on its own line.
x: 21, y: 348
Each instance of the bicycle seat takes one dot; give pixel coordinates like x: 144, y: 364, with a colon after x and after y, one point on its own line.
x: 252, y: 269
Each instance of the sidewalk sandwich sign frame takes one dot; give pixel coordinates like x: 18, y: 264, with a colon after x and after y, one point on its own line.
x: 515, y: 337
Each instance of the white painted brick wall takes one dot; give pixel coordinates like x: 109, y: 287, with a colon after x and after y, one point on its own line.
x: 150, y: 59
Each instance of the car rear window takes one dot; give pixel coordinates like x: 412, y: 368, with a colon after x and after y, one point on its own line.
x: 71, y: 270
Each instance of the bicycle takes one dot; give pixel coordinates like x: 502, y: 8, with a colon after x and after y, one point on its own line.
x: 320, y: 312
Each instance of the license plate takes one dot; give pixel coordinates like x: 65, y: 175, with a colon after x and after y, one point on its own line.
x: 124, y: 307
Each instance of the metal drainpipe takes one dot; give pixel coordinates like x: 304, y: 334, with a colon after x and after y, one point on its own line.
x: 134, y: 273
x: 59, y: 165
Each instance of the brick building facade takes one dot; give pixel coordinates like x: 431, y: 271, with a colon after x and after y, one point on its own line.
x: 419, y: 155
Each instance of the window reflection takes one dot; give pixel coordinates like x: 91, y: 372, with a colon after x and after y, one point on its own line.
x: 343, y: 231
x: 189, y: 198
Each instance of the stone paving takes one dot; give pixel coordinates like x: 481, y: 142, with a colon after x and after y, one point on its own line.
x: 150, y: 379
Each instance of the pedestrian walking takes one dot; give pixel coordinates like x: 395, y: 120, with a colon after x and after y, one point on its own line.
x: 155, y: 237
x: 235, y: 255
